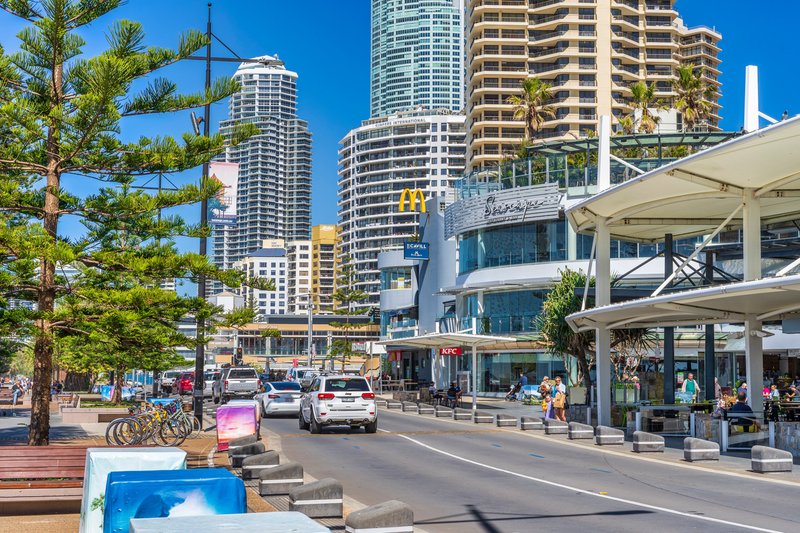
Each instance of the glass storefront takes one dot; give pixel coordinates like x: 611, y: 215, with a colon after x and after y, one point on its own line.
x: 498, y: 372
x: 504, y: 312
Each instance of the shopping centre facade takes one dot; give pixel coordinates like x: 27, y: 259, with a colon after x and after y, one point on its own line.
x: 510, y: 239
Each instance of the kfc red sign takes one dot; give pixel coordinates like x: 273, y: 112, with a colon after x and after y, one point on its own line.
x: 450, y: 351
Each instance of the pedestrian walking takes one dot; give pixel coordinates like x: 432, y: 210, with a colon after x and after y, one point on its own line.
x: 691, y: 386
x: 523, y: 382
x: 16, y: 392
x: 545, y: 389
x: 559, y: 400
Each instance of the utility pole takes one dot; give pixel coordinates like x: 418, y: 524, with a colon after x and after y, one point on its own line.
x: 200, y: 351
x: 310, y: 340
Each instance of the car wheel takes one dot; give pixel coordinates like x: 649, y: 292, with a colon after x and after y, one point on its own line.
x: 303, y: 423
x: 371, y: 427
x: 214, y: 397
x: 315, y: 427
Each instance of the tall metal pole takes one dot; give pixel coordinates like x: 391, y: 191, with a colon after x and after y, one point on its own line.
x: 669, y: 333
x: 200, y: 352
x: 709, y: 358
x: 310, y: 339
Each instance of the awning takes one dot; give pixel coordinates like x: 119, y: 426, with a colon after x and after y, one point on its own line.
x: 696, y: 194
x: 764, y: 299
x: 442, y: 340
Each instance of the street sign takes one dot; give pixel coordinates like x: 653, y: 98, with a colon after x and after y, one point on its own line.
x: 451, y: 351
x: 416, y: 250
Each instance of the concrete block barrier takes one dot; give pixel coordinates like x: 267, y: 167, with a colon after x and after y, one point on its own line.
x: 380, y: 402
x: 410, y: 407
x: 700, y: 450
x: 238, y: 454
x: 506, y: 421
x: 425, y: 409
x: 647, y: 442
x: 527, y: 423
x: 442, y: 411
x: 280, y: 479
x: 392, y: 404
x: 764, y: 459
x: 555, y: 427
x: 482, y: 417
x: 462, y: 414
x: 252, y: 465
x: 392, y: 516
x: 607, y: 436
x: 321, y: 499
x: 242, y: 441
x: 580, y: 431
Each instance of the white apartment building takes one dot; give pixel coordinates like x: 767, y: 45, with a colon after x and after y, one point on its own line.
x: 589, y: 51
x: 417, y: 55
x: 298, y: 260
x: 268, y: 262
x: 416, y: 149
x: 273, y: 189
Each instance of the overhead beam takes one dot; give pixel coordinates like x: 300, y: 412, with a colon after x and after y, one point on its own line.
x: 696, y: 309
x: 626, y: 213
x: 704, y: 181
x: 671, y: 221
x: 777, y: 184
x: 779, y: 311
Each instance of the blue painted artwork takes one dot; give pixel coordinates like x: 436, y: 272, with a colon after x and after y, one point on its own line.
x: 170, y: 493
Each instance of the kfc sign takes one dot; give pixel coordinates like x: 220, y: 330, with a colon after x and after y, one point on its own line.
x: 450, y: 351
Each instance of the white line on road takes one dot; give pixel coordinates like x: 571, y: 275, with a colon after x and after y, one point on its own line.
x: 581, y: 491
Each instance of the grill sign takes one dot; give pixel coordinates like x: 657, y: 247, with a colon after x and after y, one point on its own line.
x: 502, y: 208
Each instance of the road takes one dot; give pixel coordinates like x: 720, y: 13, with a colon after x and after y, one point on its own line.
x: 462, y: 477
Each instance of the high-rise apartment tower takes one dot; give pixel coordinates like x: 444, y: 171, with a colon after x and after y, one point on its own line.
x: 417, y: 55
x: 273, y: 193
x: 589, y: 51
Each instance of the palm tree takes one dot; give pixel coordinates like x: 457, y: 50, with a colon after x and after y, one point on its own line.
x: 531, y: 105
x: 627, y: 126
x: 643, y: 100
x: 694, y: 96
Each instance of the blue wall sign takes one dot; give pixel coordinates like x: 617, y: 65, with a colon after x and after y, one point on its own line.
x: 416, y: 250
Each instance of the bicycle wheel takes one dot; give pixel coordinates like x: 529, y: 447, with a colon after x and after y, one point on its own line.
x: 170, y: 433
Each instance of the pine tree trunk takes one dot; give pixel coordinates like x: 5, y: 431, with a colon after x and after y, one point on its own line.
x: 119, y: 381
x: 39, y: 430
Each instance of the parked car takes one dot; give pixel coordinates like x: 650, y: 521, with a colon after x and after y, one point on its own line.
x: 296, y: 372
x: 280, y: 397
x: 338, y: 400
x: 235, y: 381
x: 307, y: 377
x: 209, y: 377
x: 185, y: 383
x: 167, y: 380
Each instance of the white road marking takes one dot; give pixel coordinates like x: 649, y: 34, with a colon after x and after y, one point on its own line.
x: 581, y: 491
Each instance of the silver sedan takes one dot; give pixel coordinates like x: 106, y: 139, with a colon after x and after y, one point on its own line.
x: 280, y: 398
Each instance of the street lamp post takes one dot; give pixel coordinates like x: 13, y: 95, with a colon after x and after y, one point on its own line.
x: 310, y: 339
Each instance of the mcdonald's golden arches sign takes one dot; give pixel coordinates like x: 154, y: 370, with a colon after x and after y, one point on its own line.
x: 412, y: 200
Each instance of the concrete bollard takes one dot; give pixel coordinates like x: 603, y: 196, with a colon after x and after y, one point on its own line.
x: 410, y: 407
x: 506, y: 421
x: 392, y: 404
x: 764, y: 459
x: 392, y: 516
x: 252, y: 465
x: 647, y: 442
x: 425, y: 409
x: 238, y: 454
x: 442, y: 411
x: 483, y: 418
x: 380, y: 402
x: 607, y: 436
x: 281, y: 479
x: 580, y: 431
x: 555, y: 427
x: 700, y: 450
x: 321, y: 499
x: 527, y: 423
x: 462, y: 414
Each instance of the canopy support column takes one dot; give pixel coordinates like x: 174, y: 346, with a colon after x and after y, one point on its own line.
x: 751, y: 235
x: 754, y: 362
x: 603, y: 335
x: 709, y: 358
x: 474, y: 380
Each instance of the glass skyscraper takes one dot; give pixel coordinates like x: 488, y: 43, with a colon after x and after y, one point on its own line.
x: 417, y: 55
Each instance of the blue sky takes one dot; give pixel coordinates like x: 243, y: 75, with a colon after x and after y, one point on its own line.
x: 327, y: 43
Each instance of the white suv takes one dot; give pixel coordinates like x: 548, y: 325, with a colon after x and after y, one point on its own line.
x: 339, y: 400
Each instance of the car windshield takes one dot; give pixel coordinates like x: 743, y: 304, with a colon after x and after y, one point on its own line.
x: 187, y: 376
x: 210, y: 376
x: 171, y: 374
x: 242, y: 373
x: 286, y: 385
x: 346, y: 384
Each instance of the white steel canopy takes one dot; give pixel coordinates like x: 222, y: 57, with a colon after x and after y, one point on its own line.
x: 765, y: 299
x: 696, y: 194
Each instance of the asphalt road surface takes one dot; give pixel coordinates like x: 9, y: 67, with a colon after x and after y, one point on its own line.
x: 462, y: 477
